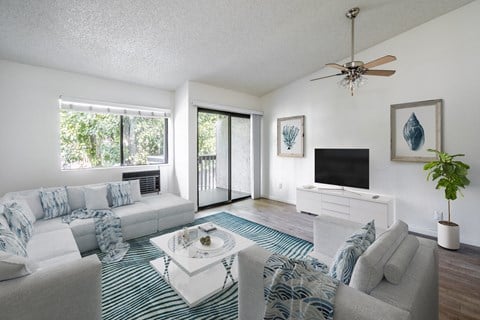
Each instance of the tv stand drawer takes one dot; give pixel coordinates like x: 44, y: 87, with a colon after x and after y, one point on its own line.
x: 341, y: 208
x: 355, y: 206
x: 327, y: 198
x: 338, y: 214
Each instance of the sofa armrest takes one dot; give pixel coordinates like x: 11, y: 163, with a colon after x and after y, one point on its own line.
x: 69, y: 290
x: 251, y: 305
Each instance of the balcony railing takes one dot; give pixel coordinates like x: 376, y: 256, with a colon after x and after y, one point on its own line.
x: 207, y: 172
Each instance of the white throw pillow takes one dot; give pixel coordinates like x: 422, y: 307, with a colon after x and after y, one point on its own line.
x: 33, y: 200
x: 13, y: 266
x: 76, y: 197
x: 96, y: 197
x: 135, y: 187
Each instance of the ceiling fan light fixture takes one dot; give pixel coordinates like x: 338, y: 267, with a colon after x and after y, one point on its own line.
x: 354, y: 71
x: 353, y: 81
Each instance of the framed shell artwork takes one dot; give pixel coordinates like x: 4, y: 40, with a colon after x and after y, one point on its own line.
x: 415, y: 127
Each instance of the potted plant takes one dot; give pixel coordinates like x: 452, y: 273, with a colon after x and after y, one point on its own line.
x: 451, y: 175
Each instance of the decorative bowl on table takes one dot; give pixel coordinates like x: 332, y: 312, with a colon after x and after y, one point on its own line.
x: 215, y: 243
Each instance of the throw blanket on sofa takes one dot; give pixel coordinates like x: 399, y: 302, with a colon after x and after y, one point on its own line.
x: 108, y: 231
x: 298, y: 289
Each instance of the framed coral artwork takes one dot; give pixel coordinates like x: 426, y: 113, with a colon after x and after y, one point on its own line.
x: 290, y: 136
x: 415, y: 127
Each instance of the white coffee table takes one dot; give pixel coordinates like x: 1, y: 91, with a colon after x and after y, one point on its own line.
x: 198, y: 272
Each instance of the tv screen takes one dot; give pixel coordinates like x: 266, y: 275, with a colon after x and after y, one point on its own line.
x: 342, y: 167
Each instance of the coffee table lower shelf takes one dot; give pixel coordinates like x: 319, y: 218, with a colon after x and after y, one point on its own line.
x: 199, y: 287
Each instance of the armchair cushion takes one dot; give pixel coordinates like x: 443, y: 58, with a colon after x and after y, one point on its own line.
x: 368, y: 271
x: 400, y: 260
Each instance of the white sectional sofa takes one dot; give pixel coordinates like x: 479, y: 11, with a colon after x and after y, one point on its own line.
x: 411, y: 265
x: 62, y: 284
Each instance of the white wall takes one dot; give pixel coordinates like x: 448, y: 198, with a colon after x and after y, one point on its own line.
x: 186, y: 117
x: 29, y: 124
x: 437, y: 60
x: 181, y: 140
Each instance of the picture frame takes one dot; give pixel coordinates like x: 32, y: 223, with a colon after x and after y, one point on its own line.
x: 290, y: 134
x: 415, y: 127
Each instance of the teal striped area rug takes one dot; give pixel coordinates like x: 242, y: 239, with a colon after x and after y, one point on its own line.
x: 132, y: 289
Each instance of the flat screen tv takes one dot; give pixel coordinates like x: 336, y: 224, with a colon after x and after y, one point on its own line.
x: 342, y: 167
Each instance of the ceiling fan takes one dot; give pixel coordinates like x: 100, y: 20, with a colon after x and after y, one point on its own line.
x: 354, y: 71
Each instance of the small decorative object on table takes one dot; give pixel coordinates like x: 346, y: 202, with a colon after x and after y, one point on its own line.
x: 206, y: 241
x: 207, y: 227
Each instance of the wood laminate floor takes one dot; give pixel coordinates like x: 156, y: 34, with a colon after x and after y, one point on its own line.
x: 459, y: 271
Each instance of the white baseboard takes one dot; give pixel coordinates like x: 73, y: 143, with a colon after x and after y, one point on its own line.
x: 425, y: 231
x: 278, y: 199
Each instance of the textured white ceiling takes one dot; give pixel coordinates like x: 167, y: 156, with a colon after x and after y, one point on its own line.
x: 253, y: 46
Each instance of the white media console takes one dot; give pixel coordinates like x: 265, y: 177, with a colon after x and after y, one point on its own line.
x: 350, y: 205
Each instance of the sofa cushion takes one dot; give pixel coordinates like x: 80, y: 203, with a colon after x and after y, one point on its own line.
x: 76, y: 197
x: 166, y: 204
x: 48, y: 225
x: 135, y: 213
x: 48, y: 245
x: 54, y: 202
x: 348, y: 254
x: 419, y: 285
x: 121, y: 193
x: 96, y: 197
x: 72, y: 256
x: 400, y: 260
x: 20, y: 219
x: 368, y: 271
x: 10, y: 243
x: 14, y: 266
x: 82, y: 227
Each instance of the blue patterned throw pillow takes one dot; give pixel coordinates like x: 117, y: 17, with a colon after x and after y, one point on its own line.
x: 20, y: 220
x: 121, y: 193
x: 348, y: 254
x: 55, y: 202
x: 10, y: 243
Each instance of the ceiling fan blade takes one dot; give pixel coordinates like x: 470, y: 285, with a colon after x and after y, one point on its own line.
x: 336, y: 66
x: 379, y: 61
x: 382, y: 73
x: 332, y: 75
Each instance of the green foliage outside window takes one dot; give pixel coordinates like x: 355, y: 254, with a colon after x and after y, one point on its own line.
x: 91, y: 140
x: 143, y: 139
x: 207, y: 125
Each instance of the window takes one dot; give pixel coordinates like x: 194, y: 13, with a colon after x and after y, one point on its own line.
x: 90, y: 139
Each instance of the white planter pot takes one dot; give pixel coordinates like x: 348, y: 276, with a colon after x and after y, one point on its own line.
x: 448, y: 235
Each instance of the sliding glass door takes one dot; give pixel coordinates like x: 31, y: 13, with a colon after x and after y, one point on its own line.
x: 223, y: 157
